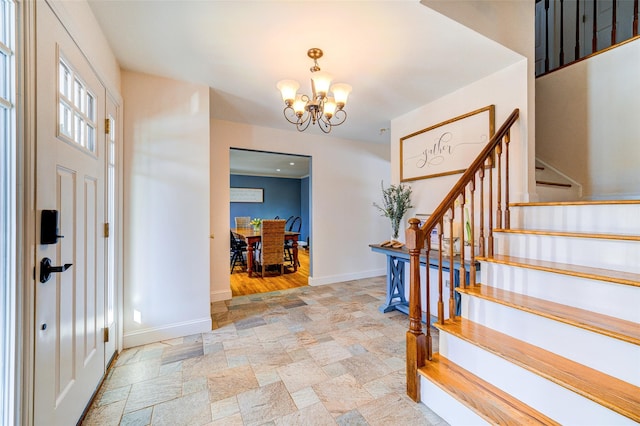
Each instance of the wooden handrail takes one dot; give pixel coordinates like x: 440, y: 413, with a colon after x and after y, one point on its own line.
x: 478, y: 163
x: 419, y: 345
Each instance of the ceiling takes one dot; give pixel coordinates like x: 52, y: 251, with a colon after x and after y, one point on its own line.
x: 397, y: 55
x: 259, y: 163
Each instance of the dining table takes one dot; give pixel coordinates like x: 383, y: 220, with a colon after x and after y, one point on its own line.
x: 253, y: 236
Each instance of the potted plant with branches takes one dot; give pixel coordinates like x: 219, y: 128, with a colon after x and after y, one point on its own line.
x: 396, y: 200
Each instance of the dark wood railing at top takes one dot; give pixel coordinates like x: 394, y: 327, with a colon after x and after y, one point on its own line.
x: 627, y: 19
x: 419, y: 345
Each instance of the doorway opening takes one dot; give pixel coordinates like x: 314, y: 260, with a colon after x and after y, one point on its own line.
x: 280, y: 184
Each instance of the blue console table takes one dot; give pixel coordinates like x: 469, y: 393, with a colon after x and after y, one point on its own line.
x: 396, y: 258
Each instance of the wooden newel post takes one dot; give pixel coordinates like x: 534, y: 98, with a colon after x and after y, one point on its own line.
x: 416, y: 340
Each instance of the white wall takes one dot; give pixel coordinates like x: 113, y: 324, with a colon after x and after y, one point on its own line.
x: 512, y: 24
x: 587, y: 122
x: 345, y: 181
x: 507, y: 90
x: 166, y: 199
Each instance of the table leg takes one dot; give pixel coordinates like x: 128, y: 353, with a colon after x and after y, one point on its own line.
x: 249, y: 259
x: 295, y: 255
x: 395, y: 287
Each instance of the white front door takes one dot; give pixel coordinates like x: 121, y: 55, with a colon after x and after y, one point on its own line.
x: 70, y: 305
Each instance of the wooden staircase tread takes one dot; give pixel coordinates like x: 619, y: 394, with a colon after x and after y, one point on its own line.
x: 617, y: 328
x: 486, y: 400
x: 608, y: 275
x: 608, y: 391
x: 560, y: 184
x: 573, y: 203
x: 596, y: 235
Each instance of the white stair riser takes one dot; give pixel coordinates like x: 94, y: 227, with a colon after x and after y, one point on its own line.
x: 596, y: 253
x: 555, y: 401
x: 608, y: 355
x: 616, y: 300
x: 600, y: 218
x: 449, y: 408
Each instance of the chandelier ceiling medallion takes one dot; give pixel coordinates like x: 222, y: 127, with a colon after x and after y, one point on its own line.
x: 302, y: 110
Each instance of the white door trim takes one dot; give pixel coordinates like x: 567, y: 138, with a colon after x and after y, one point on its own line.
x: 25, y: 294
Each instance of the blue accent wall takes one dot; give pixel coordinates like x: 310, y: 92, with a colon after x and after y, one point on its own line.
x: 282, y: 197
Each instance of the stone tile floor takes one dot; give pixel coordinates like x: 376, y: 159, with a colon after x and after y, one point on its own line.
x: 308, y: 356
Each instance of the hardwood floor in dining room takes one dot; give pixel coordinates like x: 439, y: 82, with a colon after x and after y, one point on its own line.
x: 242, y: 285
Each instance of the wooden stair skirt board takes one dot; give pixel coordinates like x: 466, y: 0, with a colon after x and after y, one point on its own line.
x: 484, y: 399
x: 592, y: 385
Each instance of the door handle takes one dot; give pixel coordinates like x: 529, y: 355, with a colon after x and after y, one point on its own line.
x: 46, y: 269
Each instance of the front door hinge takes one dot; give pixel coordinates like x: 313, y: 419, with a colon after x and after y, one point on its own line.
x: 105, y: 333
x: 107, y: 126
x: 106, y: 230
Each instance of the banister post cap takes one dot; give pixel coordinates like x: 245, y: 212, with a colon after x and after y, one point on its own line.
x: 413, y: 235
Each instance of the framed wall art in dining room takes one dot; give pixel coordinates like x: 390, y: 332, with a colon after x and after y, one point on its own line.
x: 446, y: 148
x: 246, y: 195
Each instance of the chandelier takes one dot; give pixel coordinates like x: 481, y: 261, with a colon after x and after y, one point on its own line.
x: 322, y: 109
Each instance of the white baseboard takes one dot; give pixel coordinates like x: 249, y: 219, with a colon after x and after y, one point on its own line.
x: 219, y: 296
x: 332, y: 279
x: 171, y: 331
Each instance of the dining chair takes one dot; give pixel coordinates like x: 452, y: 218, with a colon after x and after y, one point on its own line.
x: 287, y: 225
x: 294, y: 226
x: 238, y: 249
x: 269, y: 251
x: 242, y: 221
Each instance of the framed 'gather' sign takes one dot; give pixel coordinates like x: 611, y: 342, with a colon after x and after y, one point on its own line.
x: 448, y: 147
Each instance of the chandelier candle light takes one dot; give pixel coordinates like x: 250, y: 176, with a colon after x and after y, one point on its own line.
x: 320, y: 108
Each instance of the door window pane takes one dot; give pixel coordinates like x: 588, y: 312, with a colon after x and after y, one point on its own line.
x: 65, y: 120
x: 77, y: 108
x: 90, y: 108
x: 79, y: 129
x: 65, y: 80
x: 90, y: 137
x: 4, y: 84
